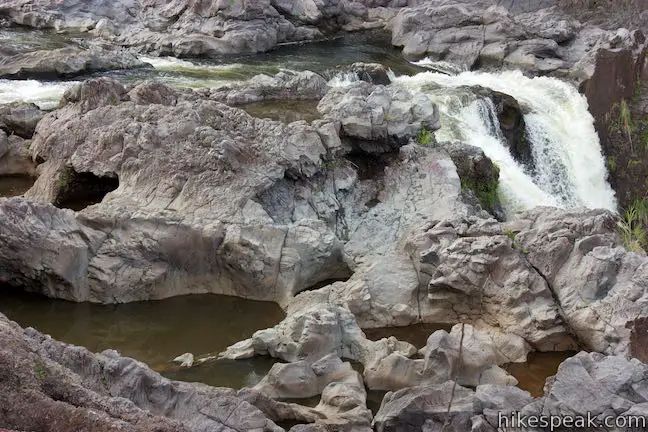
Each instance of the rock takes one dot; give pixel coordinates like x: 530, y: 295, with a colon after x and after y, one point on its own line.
x: 611, y: 293
x: 185, y: 360
x: 285, y: 85
x: 65, y: 63
x: 479, y: 176
x: 487, y: 34
x: 269, y: 209
x: 378, y: 119
x: 14, y: 156
x: 471, y: 359
x: 51, y: 386
x: 189, y: 29
x: 599, y: 385
x: 344, y: 398
x: 426, y: 408
x: 374, y: 73
x: 475, y: 273
x: 20, y: 119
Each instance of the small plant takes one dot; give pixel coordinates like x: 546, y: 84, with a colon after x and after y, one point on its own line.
x: 611, y: 163
x: 633, y: 163
x: 626, y: 122
x: 510, y: 234
x: 40, y: 372
x: 425, y: 137
x: 644, y: 135
x: 65, y: 178
x: 632, y: 228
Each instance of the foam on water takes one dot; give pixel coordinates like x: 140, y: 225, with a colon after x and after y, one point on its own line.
x: 44, y: 94
x: 569, y: 166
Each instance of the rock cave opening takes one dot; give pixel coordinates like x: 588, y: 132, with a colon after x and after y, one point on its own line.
x: 78, y: 190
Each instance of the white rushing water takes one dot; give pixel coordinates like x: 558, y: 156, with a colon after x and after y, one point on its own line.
x: 569, y: 166
x: 44, y: 94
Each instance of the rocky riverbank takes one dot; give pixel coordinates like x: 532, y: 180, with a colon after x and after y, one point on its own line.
x: 359, y: 219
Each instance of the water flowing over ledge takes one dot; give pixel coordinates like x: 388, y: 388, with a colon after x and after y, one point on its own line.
x: 570, y: 170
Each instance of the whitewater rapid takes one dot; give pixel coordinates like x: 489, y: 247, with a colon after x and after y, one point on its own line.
x: 44, y: 94
x: 569, y: 166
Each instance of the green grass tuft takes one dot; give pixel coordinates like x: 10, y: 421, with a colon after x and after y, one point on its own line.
x: 425, y: 137
x: 632, y: 228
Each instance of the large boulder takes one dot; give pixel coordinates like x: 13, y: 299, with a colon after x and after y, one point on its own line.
x: 473, y: 270
x: 600, y: 306
x: 65, y: 63
x: 379, y: 119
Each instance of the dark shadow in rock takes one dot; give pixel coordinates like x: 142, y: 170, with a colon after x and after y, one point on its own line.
x: 80, y: 190
x: 370, y: 166
x: 416, y: 334
x: 15, y: 184
x: 327, y: 282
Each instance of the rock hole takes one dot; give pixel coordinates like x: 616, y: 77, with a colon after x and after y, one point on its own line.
x: 326, y: 282
x: 370, y: 166
x: 80, y: 190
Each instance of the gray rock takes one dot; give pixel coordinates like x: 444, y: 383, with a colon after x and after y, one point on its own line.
x: 285, y: 85
x: 378, y: 119
x: 20, y: 119
x: 610, y: 295
x: 48, y: 385
x: 426, y: 408
x: 187, y: 28
x: 66, y: 62
x: 472, y: 269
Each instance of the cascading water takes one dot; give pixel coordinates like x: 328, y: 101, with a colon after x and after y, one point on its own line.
x: 44, y: 94
x: 569, y: 167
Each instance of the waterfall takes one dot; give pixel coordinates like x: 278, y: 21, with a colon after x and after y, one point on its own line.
x: 569, y: 166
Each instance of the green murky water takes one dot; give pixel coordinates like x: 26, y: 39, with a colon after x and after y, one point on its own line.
x: 156, y: 332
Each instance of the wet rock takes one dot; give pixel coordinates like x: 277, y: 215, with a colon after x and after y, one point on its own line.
x: 20, y: 119
x: 479, y: 176
x: 65, y: 63
x: 374, y: 73
x: 378, y: 119
x: 51, y: 386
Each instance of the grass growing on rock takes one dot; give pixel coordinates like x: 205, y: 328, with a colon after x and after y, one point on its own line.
x: 425, y: 137
x: 632, y: 228
x: 485, y: 191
